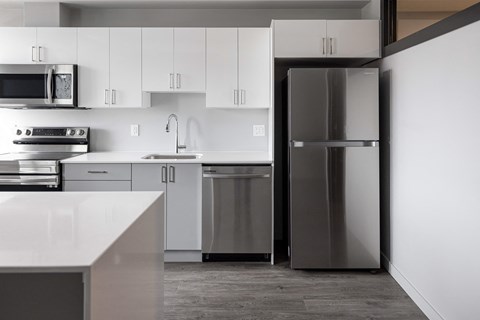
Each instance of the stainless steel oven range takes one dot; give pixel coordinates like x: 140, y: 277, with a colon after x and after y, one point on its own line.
x: 34, y: 164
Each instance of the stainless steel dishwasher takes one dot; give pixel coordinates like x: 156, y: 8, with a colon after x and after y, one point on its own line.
x: 237, y: 213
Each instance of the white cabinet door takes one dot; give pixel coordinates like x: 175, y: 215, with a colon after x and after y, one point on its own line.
x: 90, y: 186
x: 300, y: 38
x: 125, y: 67
x: 57, y: 45
x: 184, y: 207
x: 18, y: 45
x: 93, y: 67
x: 254, y: 67
x: 222, y: 64
x: 157, y: 59
x: 189, y: 59
x: 354, y: 38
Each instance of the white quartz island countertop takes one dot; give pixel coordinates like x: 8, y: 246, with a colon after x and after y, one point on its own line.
x: 207, y: 157
x: 60, y: 229
x: 98, y: 255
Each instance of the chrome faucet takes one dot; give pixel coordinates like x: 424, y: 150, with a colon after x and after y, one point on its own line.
x: 167, y: 129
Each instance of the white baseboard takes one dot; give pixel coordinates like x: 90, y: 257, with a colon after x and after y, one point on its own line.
x: 410, y: 289
x: 182, y: 256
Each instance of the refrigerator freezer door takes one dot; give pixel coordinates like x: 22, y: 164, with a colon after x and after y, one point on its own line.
x: 334, y: 207
x: 333, y: 104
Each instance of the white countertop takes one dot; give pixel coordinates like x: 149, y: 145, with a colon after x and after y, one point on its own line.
x: 65, y: 229
x: 210, y: 157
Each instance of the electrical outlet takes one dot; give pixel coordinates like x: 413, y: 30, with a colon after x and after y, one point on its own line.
x: 134, y: 130
x: 258, y: 130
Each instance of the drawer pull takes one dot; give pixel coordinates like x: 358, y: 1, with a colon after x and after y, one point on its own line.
x: 97, y: 172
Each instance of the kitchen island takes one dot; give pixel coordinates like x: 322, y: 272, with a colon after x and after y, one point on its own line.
x: 86, y: 255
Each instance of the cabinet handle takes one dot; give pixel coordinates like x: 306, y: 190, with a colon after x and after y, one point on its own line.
x: 171, y: 80
x: 40, y: 54
x: 164, y: 174
x: 33, y: 54
x: 114, y: 96
x: 171, y: 174
x: 106, y: 96
x: 331, y: 46
x: 179, y: 80
x: 323, y: 42
x: 97, y: 172
x: 243, y: 96
x: 235, y: 96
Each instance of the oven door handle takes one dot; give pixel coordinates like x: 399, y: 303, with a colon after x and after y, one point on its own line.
x: 30, y: 180
x: 50, y: 86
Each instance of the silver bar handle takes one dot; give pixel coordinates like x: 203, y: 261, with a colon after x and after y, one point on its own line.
x: 30, y: 180
x: 344, y: 144
x: 33, y: 54
x: 331, y: 46
x: 179, y: 80
x: 114, y: 96
x: 235, y: 96
x: 236, y: 175
x: 50, y: 85
x: 171, y: 80
x: 39, y: 54
x: 171, y: 174
x: 97, y: 171
x: 323, y: 46
x: 107, y: 101
x: 243, y: 96
x: 164, y: 174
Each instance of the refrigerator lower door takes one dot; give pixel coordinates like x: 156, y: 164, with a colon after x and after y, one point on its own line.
x: 334, y: 206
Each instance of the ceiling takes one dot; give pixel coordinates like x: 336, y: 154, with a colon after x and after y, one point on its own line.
x: 200, y: 4
x: 434, y: 5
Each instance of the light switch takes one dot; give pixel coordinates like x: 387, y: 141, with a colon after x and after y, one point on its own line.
x: 258, y: 130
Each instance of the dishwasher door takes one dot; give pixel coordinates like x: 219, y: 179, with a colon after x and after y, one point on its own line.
x: 236, y: 212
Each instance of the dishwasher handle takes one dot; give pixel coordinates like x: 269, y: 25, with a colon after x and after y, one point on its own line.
x: 236, y: 175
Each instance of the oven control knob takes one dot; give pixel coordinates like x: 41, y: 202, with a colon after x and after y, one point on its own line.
x: 71, y: 132
x: 19, y: 132
x: 28, y: 132
x: 81, y: 132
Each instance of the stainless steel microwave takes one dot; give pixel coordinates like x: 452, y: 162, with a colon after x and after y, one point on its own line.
x: 38, y: 86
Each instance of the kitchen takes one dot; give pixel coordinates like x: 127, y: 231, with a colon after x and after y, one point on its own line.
x: 200, y: 128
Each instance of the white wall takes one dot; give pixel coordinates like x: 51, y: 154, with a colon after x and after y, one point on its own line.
x: 431, y: 228
x: 11, y: 17
x: 200, y: 128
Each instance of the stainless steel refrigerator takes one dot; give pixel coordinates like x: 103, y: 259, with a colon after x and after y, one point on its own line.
x: 333, y: 168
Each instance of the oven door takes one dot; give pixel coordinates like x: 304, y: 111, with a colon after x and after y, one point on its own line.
x: 38, y: 86
x: 30, y: 183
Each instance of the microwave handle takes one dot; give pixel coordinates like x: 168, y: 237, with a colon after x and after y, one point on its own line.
x: 50, y: 85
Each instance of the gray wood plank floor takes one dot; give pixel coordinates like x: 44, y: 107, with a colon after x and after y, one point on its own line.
x: 251, y: 291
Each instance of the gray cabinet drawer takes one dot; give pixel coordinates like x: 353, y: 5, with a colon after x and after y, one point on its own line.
x: 98, y: 171
x: 96, y: 186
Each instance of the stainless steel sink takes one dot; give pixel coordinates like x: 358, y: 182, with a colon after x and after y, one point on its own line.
x: 171, y: 156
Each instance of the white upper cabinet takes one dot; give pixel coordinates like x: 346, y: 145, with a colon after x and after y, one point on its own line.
x: 38, y: 45
x: 173, y: 59
x: 354, y: 38
x: 300, y: 38
x: 222, y: 67
x: 238, y: 68
x: 254, y: 67
x: 125, y: 67
x: 57, y: 45
x: 157, y: 59
x: 94, y: 67
x: 18, y: 45
x: 110, y: 68
x: 327, y: 38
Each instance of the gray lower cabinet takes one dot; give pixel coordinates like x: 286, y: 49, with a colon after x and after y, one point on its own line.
x: 182, y: 184
x: 97, y: 177
x: 96, y: 185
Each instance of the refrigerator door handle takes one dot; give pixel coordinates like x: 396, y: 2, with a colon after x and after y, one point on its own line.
x: 350, y: 143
